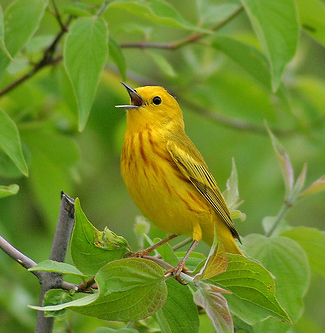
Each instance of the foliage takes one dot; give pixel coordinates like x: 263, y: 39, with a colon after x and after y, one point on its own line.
x: 235, y: 63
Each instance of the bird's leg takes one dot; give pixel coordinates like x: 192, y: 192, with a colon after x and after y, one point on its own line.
x: 151, y: 248
x: 176, y: 271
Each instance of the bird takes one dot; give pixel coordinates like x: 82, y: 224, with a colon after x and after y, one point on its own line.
x: 166, y: 175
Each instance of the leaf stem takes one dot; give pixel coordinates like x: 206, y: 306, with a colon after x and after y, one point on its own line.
x: 282, y: 213
x: 102, y: 8
x: 58, y: 16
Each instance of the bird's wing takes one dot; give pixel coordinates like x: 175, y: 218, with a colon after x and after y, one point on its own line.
x: 203, y: 181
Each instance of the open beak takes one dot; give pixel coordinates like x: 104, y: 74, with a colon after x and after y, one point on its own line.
x: 136, y: 99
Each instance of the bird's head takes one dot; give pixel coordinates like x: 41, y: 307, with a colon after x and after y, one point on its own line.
x: 151, y: 106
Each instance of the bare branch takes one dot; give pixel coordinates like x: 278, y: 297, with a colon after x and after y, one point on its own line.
x: 17, y: 255
x: 50, y: 280
x: 188, y: 40
x: 58, y: 16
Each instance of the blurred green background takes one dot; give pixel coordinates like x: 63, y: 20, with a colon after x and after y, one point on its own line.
x: 86, y: 164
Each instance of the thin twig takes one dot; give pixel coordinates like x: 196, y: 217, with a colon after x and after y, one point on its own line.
x: 282, y: 213
x: 233, y: 123
x: 22, y: 259
x: 46, y: 60
x: 58, y: 16
x: 191, y: 39
x: 182, y: 243
x: 102, y: 8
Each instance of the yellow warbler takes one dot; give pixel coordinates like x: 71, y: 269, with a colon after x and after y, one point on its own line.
x: 167, y: 176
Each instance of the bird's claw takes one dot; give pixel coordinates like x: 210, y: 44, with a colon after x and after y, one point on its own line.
x: 177, y: 270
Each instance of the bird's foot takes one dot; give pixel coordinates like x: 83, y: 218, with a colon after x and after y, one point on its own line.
x: 177, y: 270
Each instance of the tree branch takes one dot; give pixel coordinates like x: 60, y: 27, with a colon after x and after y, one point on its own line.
x: 46, y: 60
x: 233, y: 123
x: 17, y: 255
x: 191, y: 39
x: 50, y: 280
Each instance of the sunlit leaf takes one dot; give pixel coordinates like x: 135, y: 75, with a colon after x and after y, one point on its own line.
x: 121, y: 284
x: 88, y: 257
x: 108, y: 240
x: 315, y: 187
x: 112, y: 330
x: 6, y: 191
x: 253, y: 295
x: 157, y: 11
x: 214, y: 303
x: 237, y: 214
x: 216, y: 262
x: 10, y: 142
x: 85, y: 53
x: 276, y: 25
x: 57, y: 267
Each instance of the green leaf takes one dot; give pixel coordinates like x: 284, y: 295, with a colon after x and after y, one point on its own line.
x: 231, y: 194
x: 312, y: 18
x: 249, y: 58
x: 2, y: 35
x: 163, y: 64
x: 287, y: 261
x: 108, y: 240
x: 129, y: 290
x: 52, y: 154
x: 6, y: 191
x: 276, y: 26
x: 141, y: 229
x: 179, y: 314
x: 57, y: 267
x: 157, y: 11
x: 253, y: 293
x: 212, y: 14
x: 285, y: 163
x: 268, y: 223
x: 85, y: 53
x: 10, y: 142
x: 78, y: 9
x: 112, y: 330
x: 21, y: 20
x: 56, y: 296
x: 116, y: 54
x: 216, y: 262
x: 167, y: 253
x: 313, y: 242
x: 88, y: 257
x: 122, y: 284
x: 214, y: 303
x: 299, y: 184
x: 315, y: 187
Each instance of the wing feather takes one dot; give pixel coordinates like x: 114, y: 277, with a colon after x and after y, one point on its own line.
x: 198, y: 173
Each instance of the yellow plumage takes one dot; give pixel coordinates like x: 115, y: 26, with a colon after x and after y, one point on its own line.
x: 166, y: 175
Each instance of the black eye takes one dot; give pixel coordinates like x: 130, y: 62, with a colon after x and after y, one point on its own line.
x: 157, y: 100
